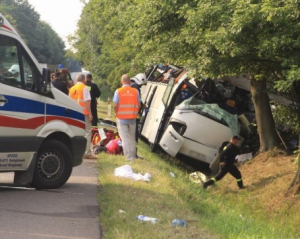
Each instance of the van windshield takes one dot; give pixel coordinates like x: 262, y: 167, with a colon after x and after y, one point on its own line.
x: 212, y: 111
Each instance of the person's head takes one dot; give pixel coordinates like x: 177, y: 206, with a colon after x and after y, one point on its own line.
x: 139, y: 79
x: 80, y: 78
x: 57, y: 75
x: 14, y: 70
x: 235, y: 140
x: 89, y: 77
x: 52, y: 76
x: 125, y: 80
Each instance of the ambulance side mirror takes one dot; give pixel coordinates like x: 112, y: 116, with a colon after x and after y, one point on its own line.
x: 46, y: 81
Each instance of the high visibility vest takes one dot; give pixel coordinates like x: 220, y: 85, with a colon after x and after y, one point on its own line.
x: 76, y: 93
x: 128, y: 103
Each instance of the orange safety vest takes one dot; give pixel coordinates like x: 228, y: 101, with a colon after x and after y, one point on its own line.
x: 76, y: 93
x: 128, y: 103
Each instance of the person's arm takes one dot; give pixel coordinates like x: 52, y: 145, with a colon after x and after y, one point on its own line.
x: 139, y: 100
x: 87, y: 101
x: 116, y: 102
x: 97, y: 92
x: 116, y: 107
x: 88, y: 108
x: 223, y: 157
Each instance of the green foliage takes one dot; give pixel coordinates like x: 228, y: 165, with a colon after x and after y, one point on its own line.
x: 42, y: 40
x: 211, y: 37
x: 286, y: 118
x: 257, y: 39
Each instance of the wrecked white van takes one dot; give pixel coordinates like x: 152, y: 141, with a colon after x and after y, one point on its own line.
x: 191, y: 117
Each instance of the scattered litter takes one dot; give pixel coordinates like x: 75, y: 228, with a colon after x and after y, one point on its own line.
x: 172, y: 174
x: 198, y: 177
x: 146, y: 219
x: 121, y: 211
x: 244, y: 157
x: 179, y: 223
x: 125, y: 171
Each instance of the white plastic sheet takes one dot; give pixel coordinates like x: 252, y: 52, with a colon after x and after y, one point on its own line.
x: 125, y: 171
x: 244, y: 157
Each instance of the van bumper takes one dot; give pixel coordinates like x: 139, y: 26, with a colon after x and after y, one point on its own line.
x: 79, y: 146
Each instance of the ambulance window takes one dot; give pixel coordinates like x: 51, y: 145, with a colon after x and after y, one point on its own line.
x: 9, y: 63
x: 16, y: 67
x: 28, y: 76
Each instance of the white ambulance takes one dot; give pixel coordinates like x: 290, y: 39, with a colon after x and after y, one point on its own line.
x: 41, y: 129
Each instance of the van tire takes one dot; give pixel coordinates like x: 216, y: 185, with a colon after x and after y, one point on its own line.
x: 53, y: 166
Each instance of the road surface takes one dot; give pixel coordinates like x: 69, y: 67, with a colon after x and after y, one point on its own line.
x: 68, y: 212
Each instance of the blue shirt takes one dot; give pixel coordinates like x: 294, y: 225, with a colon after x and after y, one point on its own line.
x: 117, y: 100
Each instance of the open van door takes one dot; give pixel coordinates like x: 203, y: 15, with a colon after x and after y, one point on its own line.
x: 171, y: 141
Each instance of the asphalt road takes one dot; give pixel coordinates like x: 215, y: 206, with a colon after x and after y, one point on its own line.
x: 68, y: 212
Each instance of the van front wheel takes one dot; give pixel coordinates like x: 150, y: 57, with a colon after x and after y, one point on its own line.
x: 53, y: 166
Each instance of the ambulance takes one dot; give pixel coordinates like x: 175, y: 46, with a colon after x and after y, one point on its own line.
x: 41, y: 129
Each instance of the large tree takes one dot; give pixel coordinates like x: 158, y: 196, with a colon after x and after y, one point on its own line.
x: 228, y: 37
x: 210, y: 37
x: 102, y: 41
x: 42, y: 40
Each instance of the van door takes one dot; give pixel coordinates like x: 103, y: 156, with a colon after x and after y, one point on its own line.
x: 156, y: 128
x: 22, y: 110
x: 171, y: 141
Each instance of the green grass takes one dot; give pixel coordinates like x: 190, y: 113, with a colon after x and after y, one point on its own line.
x: 218, y: 212
x: 231, y: 215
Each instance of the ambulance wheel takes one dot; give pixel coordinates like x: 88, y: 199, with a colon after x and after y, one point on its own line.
x: 53, y: 166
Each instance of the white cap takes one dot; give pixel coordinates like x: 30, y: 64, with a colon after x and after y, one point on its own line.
x: 139, y: 79
x: 14, y: 69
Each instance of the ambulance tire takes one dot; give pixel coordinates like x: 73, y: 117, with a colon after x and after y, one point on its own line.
x: 53, y: 166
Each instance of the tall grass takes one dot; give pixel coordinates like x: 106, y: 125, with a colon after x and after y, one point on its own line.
x: 232, y: 214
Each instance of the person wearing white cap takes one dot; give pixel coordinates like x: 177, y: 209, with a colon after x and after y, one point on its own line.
x: 15, y: 71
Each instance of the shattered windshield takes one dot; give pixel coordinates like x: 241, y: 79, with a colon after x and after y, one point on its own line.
x: 212, y: 111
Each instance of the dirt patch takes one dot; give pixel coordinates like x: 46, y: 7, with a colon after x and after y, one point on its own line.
x: 268, y: 180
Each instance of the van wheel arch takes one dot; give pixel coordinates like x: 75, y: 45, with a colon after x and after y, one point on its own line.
x: 53, y: 165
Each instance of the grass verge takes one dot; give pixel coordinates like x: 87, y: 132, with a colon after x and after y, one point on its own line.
x: 219, y: 212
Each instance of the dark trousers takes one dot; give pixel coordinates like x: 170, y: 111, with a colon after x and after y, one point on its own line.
x: 95, y: 116
x: 231, y: 168
x: 136, y: 130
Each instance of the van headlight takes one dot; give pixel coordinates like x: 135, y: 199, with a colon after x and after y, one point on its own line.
x: 178, y: 127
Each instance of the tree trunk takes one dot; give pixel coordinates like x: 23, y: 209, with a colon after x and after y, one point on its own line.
x: 265, y: 122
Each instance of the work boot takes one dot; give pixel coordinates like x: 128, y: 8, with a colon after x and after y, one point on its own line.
x: 208, y: 183
x: 240, y: 184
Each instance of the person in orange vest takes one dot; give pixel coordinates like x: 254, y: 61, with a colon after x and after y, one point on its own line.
x: 127, y: 103
x: 81, y: 94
